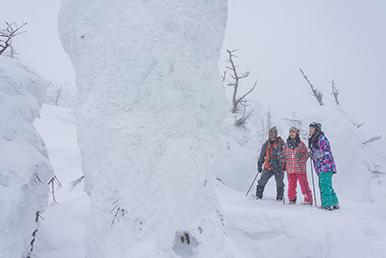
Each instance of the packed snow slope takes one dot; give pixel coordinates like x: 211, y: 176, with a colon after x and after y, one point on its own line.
x: 147, y: 127
x: 25, y: 170
x: 252, y: 228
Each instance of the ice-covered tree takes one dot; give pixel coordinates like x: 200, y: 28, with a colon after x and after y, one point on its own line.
x: 25, y: 170
x: 151, y: 102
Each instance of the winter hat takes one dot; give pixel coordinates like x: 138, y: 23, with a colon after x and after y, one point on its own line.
x: 293, y: 128
x: 273, y: 129
x: 317, y: 126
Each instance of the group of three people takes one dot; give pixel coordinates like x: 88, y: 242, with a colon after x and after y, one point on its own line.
x: 277, y: 156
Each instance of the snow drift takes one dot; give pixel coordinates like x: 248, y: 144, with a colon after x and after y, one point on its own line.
x: 151, y: 103
x: 24, y: 166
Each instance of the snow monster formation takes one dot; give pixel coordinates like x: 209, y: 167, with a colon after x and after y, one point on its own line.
x: 151, y: 99
x: 26, y: 173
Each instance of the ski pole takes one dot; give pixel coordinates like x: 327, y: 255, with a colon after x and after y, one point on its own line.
x: 313, y: 184
x: 252, y: 183
x: 282, y: 179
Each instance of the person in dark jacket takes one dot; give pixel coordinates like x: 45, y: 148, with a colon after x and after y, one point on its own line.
x: 271, y: 158
x: 324, y: 164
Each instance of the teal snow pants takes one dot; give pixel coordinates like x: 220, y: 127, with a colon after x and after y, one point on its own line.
x: 327, y: 193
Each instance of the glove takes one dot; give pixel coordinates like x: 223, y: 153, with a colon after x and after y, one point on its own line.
x: 260, y: 168
x: 298, y: 155
x: 317, y: 155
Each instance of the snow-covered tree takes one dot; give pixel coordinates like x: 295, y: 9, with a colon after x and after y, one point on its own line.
x: 25, y: 171
x: 151, y: 102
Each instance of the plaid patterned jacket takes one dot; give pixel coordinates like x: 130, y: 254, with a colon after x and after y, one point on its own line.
x: 293, y: 164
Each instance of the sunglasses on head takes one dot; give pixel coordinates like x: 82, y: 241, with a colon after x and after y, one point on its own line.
x: 272, y: 131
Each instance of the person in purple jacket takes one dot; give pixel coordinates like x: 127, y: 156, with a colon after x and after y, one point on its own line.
x: 324, y: 164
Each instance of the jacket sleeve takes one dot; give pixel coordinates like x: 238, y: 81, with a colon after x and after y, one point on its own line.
x: 303, y: 152
x: 261, y: 160
x: 285, y: 151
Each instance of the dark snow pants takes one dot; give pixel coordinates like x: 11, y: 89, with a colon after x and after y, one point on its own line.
x: 268, y: 173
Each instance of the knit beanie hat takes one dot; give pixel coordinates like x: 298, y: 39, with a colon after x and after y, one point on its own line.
x: 317, y: 126
x: 273, y: 129
x: 293, y: 128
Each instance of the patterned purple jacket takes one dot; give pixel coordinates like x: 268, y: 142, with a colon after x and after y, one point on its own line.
x: 326, y: 162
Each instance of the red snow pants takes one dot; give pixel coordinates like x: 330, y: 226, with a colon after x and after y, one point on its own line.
x: 292, y: 184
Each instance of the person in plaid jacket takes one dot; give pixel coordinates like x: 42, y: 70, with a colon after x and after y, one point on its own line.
x: 295, y: 156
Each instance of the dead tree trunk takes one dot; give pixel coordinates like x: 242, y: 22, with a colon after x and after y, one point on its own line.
x: 236, y: 101
x: 335, y: 92
x: 315, y: 92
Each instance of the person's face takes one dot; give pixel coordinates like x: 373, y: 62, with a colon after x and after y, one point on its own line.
x: 312, y: 130
x: 272, y: 135
x: 292, y: 134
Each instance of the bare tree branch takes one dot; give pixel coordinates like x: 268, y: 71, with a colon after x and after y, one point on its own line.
x: 76, y: 183
x: 359, y: 125
x: 237, y: 78
x: 236, y: 102
x: 8, y: 33
x: 54, y: 181
x: 335, y: 92
x: 240, y: 99
x: 119, y: 213
x: 315, y: 92
x: 377, y: 137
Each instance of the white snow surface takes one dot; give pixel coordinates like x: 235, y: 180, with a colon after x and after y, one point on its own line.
x: 252, y: 228
x: 147, y: 129
x: 24, y: 166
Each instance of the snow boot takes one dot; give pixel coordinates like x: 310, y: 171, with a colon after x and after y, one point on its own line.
x: 292, y: 201
x: 259, y: 192
x: 336, y: 207
x: 279, y: 194
x: 329, y: 208
x: 306, y: 203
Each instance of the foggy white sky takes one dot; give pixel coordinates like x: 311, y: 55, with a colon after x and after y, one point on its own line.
x: 341, y: 40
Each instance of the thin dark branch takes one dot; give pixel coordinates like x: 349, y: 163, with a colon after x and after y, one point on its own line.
x: 315, y: 92
x: 377, y: 137
x: 7, y: 34
x: 335, y: 92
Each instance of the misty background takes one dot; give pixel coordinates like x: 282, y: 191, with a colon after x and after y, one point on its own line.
x: 330, y: 40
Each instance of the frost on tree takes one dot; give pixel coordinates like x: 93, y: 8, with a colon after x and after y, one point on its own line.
x: 151, y: 103
x: 25, y: 170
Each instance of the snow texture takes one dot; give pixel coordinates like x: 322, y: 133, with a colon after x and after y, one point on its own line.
x: 151, y: 102
x: 263, y: 228
x: 24, y: 166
